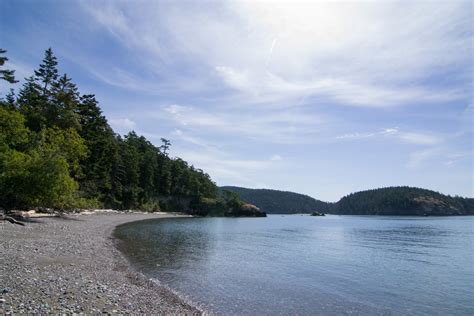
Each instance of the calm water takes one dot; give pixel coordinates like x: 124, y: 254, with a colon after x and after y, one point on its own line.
x: 311, y: 265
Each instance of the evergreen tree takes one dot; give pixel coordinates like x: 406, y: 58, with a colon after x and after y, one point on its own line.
x: 165, y: 146
x: 47, y: 73
x: 64, y: 104
x: 6, y: 74
x: 102, y: 151
x: 32, y: 104
x: 10, y: 100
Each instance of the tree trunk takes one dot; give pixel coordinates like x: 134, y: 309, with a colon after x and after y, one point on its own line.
x: 11, y: 220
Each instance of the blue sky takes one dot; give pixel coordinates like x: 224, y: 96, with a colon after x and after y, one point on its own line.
x: 323, y: 98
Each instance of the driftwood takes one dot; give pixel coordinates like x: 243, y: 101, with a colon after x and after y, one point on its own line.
x: 11, y: 220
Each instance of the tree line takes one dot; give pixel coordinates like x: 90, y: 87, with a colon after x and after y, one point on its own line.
x: 402, y: 200
x: 58, y: 151
x: 279, y: 202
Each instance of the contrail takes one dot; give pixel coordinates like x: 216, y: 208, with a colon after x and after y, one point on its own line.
x: 271, y: 52
x: 273, y: 45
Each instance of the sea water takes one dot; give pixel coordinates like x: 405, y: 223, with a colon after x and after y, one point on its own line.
x: 295, y: 264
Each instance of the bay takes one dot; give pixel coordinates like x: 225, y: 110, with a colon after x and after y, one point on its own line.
x: 332, y: 265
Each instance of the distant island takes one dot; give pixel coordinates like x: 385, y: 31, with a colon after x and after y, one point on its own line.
x: 279, y: 202
x: 404, y: 200
x: 408, y: 201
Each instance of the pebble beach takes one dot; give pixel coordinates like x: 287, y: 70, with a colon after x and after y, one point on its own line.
x: 71, y: 265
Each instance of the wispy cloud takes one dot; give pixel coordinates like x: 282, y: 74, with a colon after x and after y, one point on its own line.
x: 286, y: 126
x: 418, y: 158
x: 276, y: 157
x: 416, y: 138
x: 322, y: 47
x: 122, y: 79
x: 122, y: 125
x: 453, y: 159
x: 420, y: 139
x: 225, y: 168
x: 440, y: 156
x: 269, y: 87
x: 356, y: 135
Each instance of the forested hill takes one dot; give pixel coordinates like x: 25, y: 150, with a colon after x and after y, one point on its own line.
x: 279, y: 202
x: 58, y: 151
x: 406, y: 201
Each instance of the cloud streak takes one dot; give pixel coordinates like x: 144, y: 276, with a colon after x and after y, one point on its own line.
x: 415, y: 138
x: 362, y: 54
x: 278, y: 127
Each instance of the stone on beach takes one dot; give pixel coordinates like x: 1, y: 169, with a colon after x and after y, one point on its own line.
x: 70, y: 265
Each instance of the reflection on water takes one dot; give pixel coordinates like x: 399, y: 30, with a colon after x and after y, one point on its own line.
x: 178, y: 246
x: 311, y: 265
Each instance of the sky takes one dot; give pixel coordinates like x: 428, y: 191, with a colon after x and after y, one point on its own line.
x: 323, y: 98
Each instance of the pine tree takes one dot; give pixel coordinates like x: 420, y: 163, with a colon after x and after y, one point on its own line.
x: 32, y: 104
x: 48, y: 71
x: 64, y: 104
x: 6, y: 74
x: 35, y: 95
x: 98, y: 168
x: 165, y: 146
x: 10, y: 100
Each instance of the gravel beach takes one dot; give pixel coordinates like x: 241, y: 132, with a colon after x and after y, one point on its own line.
x: 70, y: 265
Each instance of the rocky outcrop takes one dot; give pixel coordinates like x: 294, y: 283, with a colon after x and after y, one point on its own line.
x: 248, y: 210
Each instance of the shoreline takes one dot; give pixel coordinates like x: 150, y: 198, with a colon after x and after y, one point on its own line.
x: 72, y: 265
